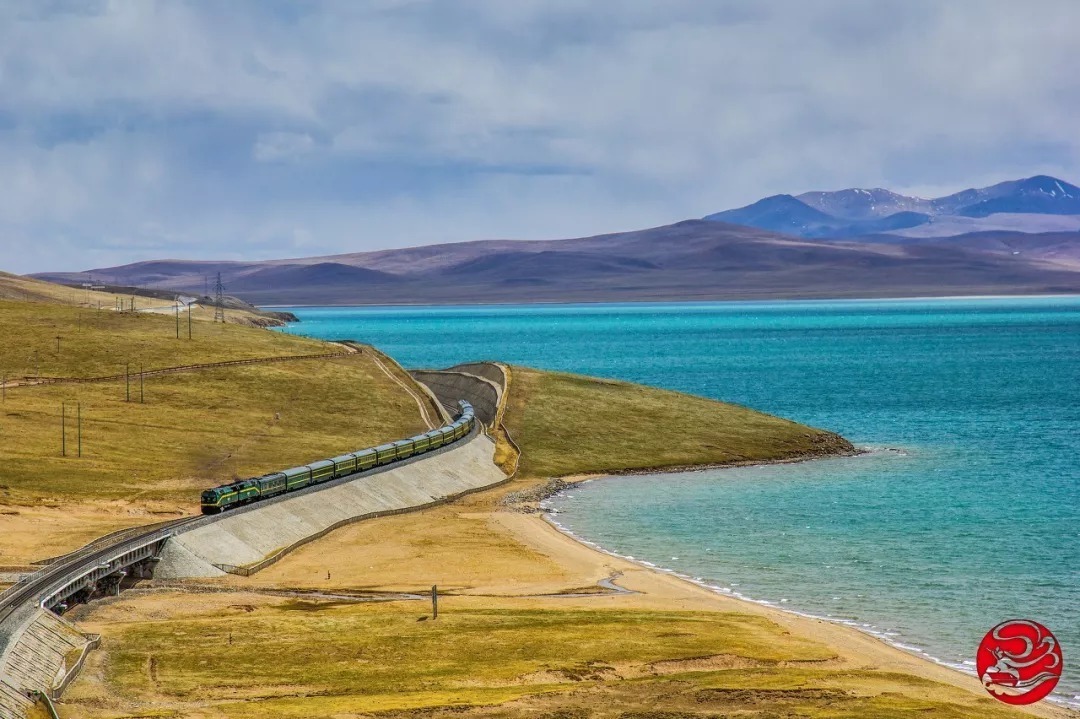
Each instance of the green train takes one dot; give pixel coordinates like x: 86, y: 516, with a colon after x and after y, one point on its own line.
x: 246, y: 491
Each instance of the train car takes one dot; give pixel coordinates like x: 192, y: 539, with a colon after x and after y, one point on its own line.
x: 366, y: 459
x: 226, y: 496
x: 404, y: 448
x: 244, y: 491
x: 217, y: 499
x: 344, y: 465
x: 321, y: 471
x: 297, y: 477
x: 272, y: 484
x: 385, y: 454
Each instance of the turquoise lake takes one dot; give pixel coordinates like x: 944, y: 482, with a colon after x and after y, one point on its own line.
x: 965, y: 512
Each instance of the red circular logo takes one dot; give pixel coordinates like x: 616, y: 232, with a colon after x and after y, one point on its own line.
x: 1019, y: 661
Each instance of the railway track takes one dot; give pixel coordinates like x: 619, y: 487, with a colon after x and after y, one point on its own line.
x: 37, y: 585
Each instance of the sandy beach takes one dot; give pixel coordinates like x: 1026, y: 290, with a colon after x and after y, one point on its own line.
x: 658, y: 589
x: 483, y: 554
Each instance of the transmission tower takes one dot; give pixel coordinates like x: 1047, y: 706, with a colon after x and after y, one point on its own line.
x: 219, y: 300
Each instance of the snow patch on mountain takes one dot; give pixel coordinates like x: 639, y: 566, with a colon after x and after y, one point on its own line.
x: 1034, y: 204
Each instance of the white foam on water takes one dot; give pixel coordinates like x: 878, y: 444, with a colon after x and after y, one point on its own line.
x: 909, y: 647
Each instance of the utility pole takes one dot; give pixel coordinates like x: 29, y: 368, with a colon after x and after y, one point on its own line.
x: 142, y: 396
x: 58, y: 345
x: 63, y: 429
x: 434, y: 602
x: 177, y: 318
x: 189, y: 320
x: 219, y: 300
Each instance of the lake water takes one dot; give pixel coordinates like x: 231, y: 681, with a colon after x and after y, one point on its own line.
x: 966, y: 513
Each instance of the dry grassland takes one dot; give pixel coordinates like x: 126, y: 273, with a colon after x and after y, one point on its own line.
x: 147, y: 459
x: 195, y: 430
x: 27, y: 289
x: 523, y: 631
x: 96, y: 343
x: 568, y: 424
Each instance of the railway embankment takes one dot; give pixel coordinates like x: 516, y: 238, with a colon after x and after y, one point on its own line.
x: 246, y: 541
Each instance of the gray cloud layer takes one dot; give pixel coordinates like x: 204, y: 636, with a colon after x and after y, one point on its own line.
x: 133, y: 130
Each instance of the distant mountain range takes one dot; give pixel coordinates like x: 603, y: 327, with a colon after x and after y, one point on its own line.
x: 1020, y: 237
x: 1036, y: 204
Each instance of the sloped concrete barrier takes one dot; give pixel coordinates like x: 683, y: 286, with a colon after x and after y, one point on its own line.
x: 13, y: 703
x: 491, y: 371
x: 36, y: 658
x: 247, y: 540
x: 473, y: 382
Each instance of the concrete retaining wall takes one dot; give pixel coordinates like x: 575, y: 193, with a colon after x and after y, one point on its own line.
x: 251, y: 537
x: 35, y: 659
x: 490, y: 371
x: 450, y: 386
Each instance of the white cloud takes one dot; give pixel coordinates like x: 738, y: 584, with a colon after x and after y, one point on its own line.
x: 273, y: 146
x: 255, y: 129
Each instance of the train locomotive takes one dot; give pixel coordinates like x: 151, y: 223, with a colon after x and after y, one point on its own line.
x: 245, y: 491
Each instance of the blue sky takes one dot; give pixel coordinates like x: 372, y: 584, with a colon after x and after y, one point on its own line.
x: 249, y: 130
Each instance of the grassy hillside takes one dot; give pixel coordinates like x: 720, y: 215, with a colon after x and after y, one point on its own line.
x: 194, y: 429
x: 27, y: 289
x: 96, y: 343
x: 568, y: 424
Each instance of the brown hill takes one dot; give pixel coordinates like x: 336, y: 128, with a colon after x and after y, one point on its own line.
x: 692, y: 260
